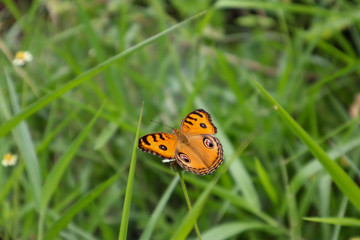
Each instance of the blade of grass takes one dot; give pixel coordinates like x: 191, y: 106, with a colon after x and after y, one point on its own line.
x: 295, y: 231
x: 349, y: 222
x: 37, y: 105
x: 48, y: 138
x: 189, y: 220
x: 276, y: 6
x: 341, y: 213
x: 146, y: 235
x: 53, y: 179
x: 64, y: 220
x: 314, y: 166
x: 10, y: 182
x: 130, y: 183
x: 26, y: 146
x: 183, y: 186
x: 342, y: 180
x: 11, y: 5
x: 266, y: 182
x: 94, y: 41
x: 105, y: 135
x: 233, y: 229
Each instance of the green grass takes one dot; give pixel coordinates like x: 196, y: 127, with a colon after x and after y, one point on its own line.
x: 279, y: 78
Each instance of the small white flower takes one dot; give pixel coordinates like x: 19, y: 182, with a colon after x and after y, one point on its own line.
x: 22, y: 57
x: 9, y: 160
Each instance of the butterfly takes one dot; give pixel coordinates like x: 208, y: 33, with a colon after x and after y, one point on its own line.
x: 193, y: 147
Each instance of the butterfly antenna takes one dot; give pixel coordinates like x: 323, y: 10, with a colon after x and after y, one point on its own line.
x: 162, y: 124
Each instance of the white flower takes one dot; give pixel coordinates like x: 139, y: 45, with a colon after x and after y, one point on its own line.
x: 22, y: 57
x: 9, y: 160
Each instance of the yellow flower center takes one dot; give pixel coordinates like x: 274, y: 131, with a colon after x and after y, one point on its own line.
x: 8, y: 157
x: 20, y: 55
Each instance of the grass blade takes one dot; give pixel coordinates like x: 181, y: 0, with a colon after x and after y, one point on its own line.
x: 130, y: 183
x: 342, y: 180
x: 78, y: 206
x: 275, y: 6
x: 231, y: 230
x: 266, y: 182
x: 53, y: 179
x: 50, y: 137
x: 26, y: 146
x: 146, y: 235
x: 349, y: 222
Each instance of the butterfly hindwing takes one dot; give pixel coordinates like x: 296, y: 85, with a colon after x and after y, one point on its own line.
x: 200, y: 158
x: 198, y: 122
x: 160, y: 144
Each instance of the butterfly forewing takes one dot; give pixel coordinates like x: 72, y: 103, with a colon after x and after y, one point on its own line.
x: 160, y: 144
x: 198, y: 122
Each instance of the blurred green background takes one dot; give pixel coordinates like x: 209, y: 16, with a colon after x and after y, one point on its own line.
x: 71, y: 115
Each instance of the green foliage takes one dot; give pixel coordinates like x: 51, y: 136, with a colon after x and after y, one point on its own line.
x: 76, y: 176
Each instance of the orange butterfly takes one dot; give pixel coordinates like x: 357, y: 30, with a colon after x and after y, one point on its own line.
x: 193, y: 147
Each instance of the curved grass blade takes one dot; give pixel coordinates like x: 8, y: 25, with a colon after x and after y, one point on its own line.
x: 266, y: 182
x: 26, y: 146
x: 53, y: 179
x: 62, y: 222
x: 146, y: 235
x: 276, y: 6
x: 48, y: 138
x: 349, y: 222
x: 341, y: 179
x: 10, y: 182
x: 313, y: 166
x: 37, y: 105
x: 130, y: 183
x: 231, y: 230
x: 186, y: 195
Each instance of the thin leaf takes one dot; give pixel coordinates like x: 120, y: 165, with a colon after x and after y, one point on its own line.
x: 105, y: 135
x: 265, y: 181
x: 130, y: 183
x: 230, y: 230
x: 53, y: 179
x: 342, y: 180
x: 349, y: 222
x: 276, y: 6
x: 64, y: 220
x: 49, y: 138
x: 26, y: 146
x: 158, y: 210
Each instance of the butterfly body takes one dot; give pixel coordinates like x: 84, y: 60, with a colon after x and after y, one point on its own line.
x: 193, y: 147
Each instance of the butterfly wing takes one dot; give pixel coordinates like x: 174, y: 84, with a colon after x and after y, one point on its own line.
x: 202, y: 156
x: 198, y: 122
x: 160, y: 144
